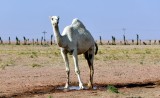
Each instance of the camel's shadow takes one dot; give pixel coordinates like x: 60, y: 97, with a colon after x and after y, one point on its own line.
x: 75, y: 88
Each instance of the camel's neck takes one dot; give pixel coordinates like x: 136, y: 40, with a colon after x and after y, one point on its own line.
x: 57, y: 35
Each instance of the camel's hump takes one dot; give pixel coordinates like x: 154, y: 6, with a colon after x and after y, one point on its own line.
x: 77, y: 23
x: 75, y: 20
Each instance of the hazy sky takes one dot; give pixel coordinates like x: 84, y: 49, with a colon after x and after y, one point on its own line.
x: 101, y: 17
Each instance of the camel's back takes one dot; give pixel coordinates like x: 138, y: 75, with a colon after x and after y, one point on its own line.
x: 81, y: 32
x: 77, y: 31
x: 79, y: 35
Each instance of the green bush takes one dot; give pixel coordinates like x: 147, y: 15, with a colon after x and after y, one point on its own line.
x: 112, y: 89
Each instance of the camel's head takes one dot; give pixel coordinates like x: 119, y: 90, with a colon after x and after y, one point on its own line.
x: 54, y: 20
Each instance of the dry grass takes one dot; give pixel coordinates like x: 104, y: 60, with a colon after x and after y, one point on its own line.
x: 135, y: 55
x: 14, y: 55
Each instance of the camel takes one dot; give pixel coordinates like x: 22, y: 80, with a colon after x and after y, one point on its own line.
x: 75, y: 40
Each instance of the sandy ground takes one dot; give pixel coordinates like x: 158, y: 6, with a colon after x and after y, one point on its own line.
x: 24, y: 81
x: 39, y: 72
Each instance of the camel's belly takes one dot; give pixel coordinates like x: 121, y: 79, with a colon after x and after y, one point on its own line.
x: 83, y: 48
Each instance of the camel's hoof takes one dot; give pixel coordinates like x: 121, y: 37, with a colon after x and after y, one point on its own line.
x: 66, y: 86
x: 90, y: 86
x: 81, y: 87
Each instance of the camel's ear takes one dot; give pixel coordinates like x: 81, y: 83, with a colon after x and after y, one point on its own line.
x: 58, y: 18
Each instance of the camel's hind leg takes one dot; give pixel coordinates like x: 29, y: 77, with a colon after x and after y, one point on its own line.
x: 89, y: 55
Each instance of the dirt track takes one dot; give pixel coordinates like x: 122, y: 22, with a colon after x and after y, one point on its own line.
x: 21, y: 81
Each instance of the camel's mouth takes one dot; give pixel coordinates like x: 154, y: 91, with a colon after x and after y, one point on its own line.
x: 56, y: 23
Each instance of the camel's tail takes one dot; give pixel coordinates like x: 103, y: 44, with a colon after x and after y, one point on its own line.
x: 96, y: 48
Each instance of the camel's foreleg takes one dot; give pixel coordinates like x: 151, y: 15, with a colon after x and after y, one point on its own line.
x: 65, y: 58
x: 77, y: 71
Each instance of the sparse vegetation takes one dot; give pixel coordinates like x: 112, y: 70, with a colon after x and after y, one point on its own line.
x: 3, y: 65
x: 131, y: 54
x: 28, y: 55
x: 36, y: 65
x: 50, y: 97
x: 112, y: 89
x: 34, y: 54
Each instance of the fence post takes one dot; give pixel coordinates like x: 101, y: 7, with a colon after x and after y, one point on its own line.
x: 1, y: 40
x: 9, y: 42
x: 51, y: 39
x: 33, y: 41
x: 137, y: 39
x: 124, y: 39
x: 150, y: 42
x: 41, y: 40
x: 17, y: 41
x: 113, y: 40
x: 100, y: 38
x: 154, y: 42
x: 132, y: 42
x: 37, y: 42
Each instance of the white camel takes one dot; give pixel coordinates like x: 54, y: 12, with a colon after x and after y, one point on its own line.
x: 75, y: 40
